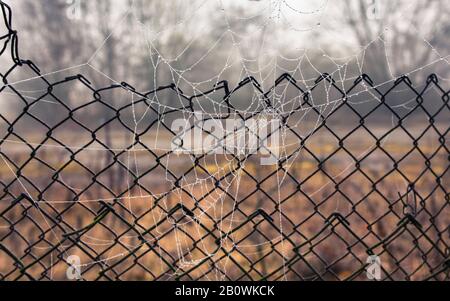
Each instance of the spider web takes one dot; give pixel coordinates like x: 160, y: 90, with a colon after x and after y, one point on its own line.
x: 213, y: 193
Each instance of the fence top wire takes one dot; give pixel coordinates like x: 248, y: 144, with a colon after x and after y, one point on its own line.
x: 168, y: 216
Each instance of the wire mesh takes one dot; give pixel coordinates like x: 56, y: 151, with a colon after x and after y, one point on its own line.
x: 166, y: 216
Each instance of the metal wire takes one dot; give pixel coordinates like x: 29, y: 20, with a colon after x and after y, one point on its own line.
x: 124, y: 226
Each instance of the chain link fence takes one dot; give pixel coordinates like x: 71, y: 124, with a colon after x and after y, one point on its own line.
x: 91, y: 188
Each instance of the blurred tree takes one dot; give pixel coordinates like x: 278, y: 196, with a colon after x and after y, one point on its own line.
x: 400, y: 35
x: 49, y: 30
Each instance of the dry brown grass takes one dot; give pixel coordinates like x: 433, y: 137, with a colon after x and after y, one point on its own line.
x: 141, y: 241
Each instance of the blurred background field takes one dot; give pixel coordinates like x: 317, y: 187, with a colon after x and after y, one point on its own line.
x: 88, y: 171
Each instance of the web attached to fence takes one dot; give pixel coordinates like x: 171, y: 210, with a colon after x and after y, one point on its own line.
x: 355, y: 170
